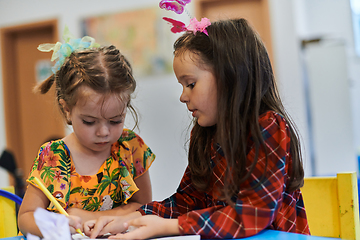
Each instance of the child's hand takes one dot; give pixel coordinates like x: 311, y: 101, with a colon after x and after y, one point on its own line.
x: 103, y: 225
x: 108, y: 224
x: 149, y: 226
x: 83, y: 214
x: 75, y: 223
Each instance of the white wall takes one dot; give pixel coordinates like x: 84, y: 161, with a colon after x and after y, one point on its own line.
x: 164, y: 118
x: 331, y: 21
x: 163, y: 124
x: 288, y: 69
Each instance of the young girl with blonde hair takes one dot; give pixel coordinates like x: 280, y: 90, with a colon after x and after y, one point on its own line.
x: 100, y: 168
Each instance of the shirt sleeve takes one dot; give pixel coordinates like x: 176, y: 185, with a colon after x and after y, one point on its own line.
x: 137, y: 155
x: 256, y: 204
x: 135, y: 158
x: 52, y: 168
x: 184, y: 200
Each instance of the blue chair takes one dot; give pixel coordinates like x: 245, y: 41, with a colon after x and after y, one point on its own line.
x: 11, y: 196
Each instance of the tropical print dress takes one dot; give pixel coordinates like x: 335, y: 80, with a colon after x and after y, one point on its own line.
x: 112, y: 186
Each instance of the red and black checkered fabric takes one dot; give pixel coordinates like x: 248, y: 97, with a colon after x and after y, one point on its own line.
x: 268, y: 205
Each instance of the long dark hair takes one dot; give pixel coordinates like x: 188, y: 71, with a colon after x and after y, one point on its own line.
x: 246, y: 88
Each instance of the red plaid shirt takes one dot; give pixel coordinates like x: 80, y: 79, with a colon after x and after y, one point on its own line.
x: 269, y: 206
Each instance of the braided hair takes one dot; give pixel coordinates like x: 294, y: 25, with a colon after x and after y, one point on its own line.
x: 105, y: 70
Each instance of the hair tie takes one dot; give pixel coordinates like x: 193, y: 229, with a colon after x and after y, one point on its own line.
x: 63, y: 50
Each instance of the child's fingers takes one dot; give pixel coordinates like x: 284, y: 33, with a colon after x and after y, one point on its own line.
x: 75, y: 222
x: 137, y: 229
x: 88, y: 227
x: 102, y: 226
x: 130, y: 228
x: 72, y: 230
x: 129, y: 236
x: 117, y: 236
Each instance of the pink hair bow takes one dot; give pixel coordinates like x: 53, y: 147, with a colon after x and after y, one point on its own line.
x: 194, y: 26
x: 178, y: 7
x: 201, y: 26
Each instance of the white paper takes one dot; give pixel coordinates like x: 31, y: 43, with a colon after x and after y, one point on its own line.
x: 185, y: 237
x: 79, y: 236
x: 52, y: 226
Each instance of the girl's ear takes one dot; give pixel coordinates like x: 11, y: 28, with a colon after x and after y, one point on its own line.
x: 66, y: 109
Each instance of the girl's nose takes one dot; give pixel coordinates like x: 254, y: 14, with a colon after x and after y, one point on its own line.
x: 183, y: 97
x: 103, y: 131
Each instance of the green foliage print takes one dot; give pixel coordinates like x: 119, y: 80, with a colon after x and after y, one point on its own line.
x: 93, y: 204
x: 109, y: 180
x: 47, y: 174
x: 131, y: 135
x: 147, y: 154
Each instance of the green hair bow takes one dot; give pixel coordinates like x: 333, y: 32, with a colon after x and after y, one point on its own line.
x: 63, y: 50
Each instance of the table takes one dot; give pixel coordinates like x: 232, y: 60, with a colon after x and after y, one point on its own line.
x: 264, y: 235
x: 279, y: 235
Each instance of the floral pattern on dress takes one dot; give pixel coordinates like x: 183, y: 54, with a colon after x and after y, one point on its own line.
x: 111, y: 187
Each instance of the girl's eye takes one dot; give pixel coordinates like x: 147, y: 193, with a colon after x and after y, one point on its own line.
x: 191, y: 85
x: 116, y: 122
x: 88, y: 123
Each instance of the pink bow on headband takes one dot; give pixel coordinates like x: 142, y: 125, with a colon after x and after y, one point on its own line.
x: 201, y: 26
x: 178, y: 7
x: 194, y: 25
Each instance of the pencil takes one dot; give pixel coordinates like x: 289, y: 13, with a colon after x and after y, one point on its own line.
x: 53, y: 200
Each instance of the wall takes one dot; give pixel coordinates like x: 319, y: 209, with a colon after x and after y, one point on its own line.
x: 292, y: 22
x: 164, y: 118
x: 335, y: 148
x: 288, y: 69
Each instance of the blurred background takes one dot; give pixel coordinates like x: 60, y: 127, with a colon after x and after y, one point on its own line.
x: 314, y: 46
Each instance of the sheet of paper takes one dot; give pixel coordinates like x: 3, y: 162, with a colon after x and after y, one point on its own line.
x: 55, y: 226
x: 186, y: 237
x: 52, y: 225
x: 78, y: 236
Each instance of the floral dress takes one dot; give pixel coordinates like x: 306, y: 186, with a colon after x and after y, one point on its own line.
x: 112, y: 186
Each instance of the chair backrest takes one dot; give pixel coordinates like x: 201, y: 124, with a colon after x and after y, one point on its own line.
x: 8, y: 224
x: 332, y: 205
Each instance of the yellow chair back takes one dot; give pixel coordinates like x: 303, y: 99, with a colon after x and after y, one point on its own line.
x: 332, y: 205
x: 8, y: 224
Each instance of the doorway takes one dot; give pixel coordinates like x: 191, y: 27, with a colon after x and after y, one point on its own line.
x: 30, y: 119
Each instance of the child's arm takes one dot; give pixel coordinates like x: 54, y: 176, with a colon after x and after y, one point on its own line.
x: 150, y: 226
x: 33, y: 199
x: 141, y: 197
x: 144, y: 226
x: 108, y: 224
x: 254, y: 210
x: 144, y: 195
